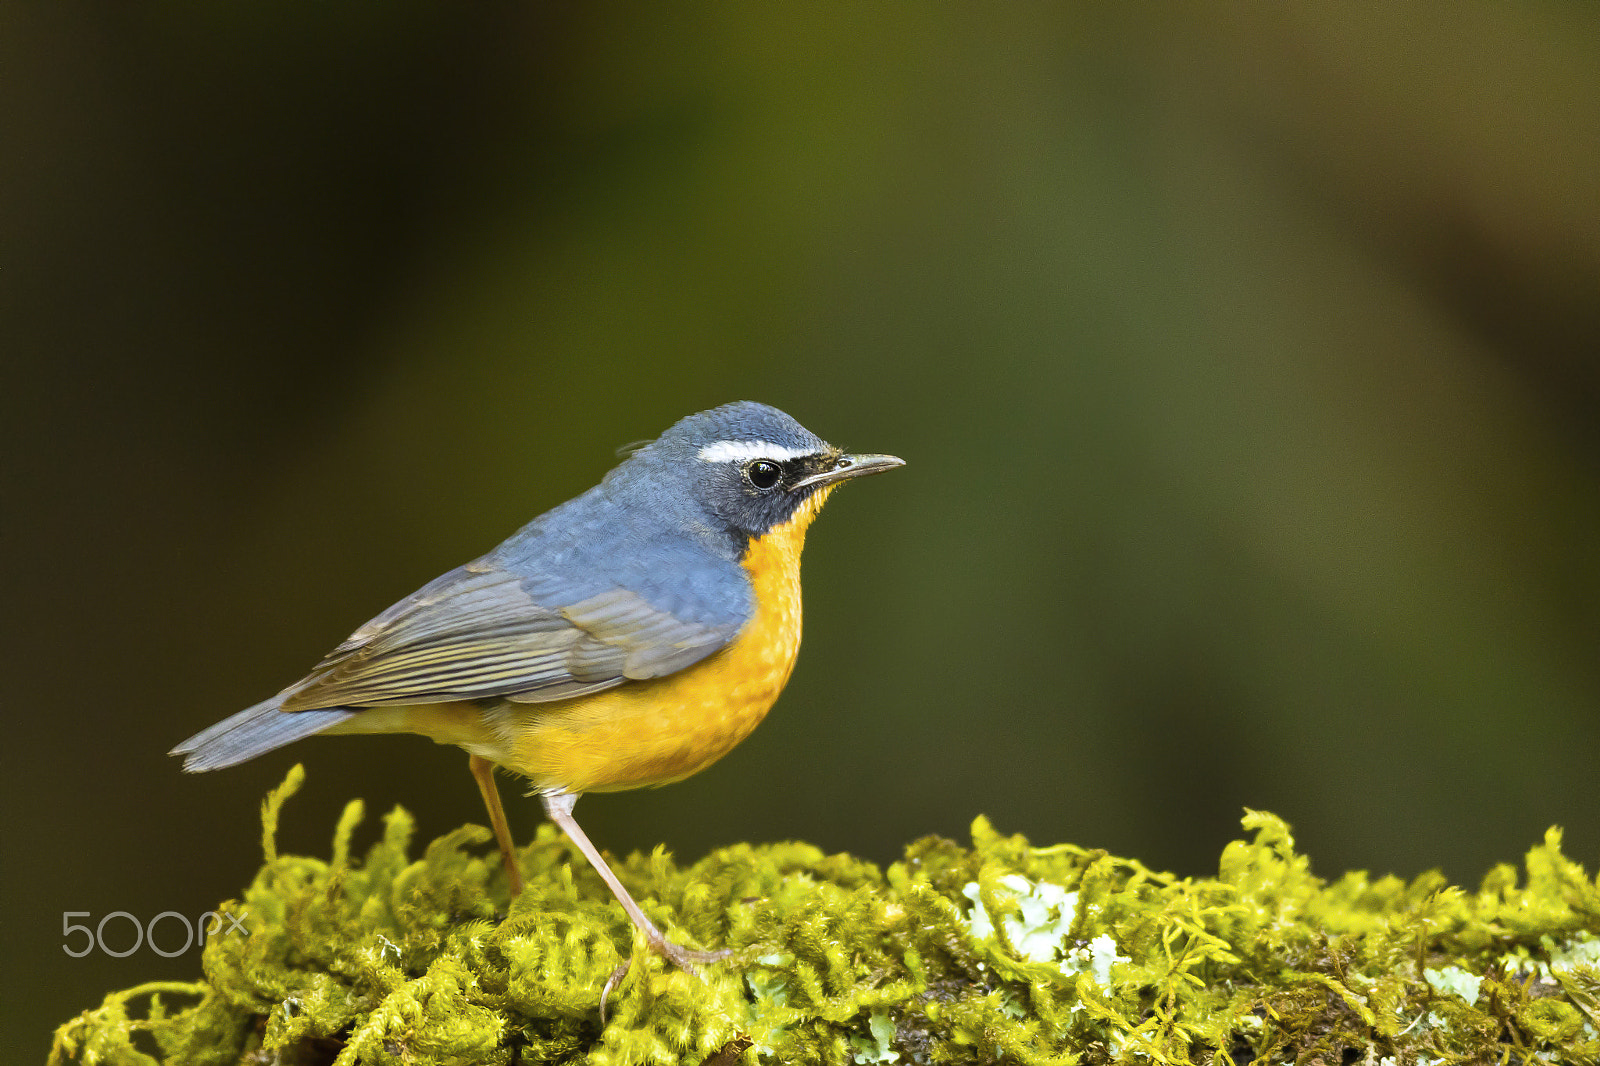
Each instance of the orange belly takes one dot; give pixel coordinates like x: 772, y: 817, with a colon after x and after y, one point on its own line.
x: 642, y: 732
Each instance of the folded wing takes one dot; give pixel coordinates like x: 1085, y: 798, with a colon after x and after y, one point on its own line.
x: 478, y: 632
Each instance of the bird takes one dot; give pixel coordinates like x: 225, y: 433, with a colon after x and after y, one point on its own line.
x: 627, y: 638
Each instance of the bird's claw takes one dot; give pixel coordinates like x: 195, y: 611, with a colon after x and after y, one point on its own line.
x: 685, y: 959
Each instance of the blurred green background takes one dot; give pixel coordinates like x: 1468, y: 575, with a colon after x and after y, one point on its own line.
x: 1245, y: 360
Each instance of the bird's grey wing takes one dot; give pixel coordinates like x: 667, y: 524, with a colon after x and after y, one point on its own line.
x: 626, y: 638
x: 484, y: 630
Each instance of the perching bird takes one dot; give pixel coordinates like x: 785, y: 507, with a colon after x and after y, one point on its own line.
x: 629, y: 637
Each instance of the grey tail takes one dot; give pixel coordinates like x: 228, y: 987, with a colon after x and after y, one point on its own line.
x: 253, y: 731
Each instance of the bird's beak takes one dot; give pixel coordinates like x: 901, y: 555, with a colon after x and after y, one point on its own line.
x: 849, y: 466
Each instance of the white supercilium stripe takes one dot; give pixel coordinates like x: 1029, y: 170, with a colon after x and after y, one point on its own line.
x: 739, y: 451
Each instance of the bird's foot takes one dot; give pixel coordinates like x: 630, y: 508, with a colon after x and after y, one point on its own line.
x: 685, y: 959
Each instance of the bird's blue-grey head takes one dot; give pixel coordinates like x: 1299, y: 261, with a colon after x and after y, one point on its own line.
x: 746, y: 466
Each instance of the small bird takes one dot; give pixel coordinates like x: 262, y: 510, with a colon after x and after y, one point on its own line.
x: 629, y: 637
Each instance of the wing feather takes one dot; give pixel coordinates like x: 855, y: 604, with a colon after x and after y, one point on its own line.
x: 477, y: 632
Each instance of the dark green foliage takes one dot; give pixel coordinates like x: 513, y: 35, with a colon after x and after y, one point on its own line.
x: 997, y: 952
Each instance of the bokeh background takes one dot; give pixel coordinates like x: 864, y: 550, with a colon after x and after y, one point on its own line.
x: 1245, y: 360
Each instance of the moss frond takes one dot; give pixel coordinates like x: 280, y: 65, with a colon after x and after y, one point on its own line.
x: 997, y: 951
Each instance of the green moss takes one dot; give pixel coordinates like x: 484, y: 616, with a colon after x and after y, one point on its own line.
x: 998, y: 951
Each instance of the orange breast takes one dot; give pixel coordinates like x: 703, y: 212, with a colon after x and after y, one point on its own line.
x: 659, y: 731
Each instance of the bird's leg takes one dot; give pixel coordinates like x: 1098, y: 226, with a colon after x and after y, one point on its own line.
x: 559, y: 807
x: 483, y: 773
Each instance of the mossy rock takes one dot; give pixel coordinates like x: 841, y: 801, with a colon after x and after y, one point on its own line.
x: 998, y: 952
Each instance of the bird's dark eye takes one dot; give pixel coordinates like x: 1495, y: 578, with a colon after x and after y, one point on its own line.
x: 762, y: 474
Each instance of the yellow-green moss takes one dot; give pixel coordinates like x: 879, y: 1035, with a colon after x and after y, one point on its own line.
x: 995, y: 952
